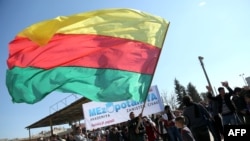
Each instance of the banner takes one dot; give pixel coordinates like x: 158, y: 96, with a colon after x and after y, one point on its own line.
x: 101, y: 114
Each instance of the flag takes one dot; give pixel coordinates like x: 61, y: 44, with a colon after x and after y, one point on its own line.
x: 104, y: 55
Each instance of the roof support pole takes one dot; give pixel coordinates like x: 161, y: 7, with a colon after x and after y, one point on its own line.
x: 51, y: 126
x: 29, y: 135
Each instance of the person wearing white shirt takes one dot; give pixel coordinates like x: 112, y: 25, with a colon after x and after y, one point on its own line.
x: 79, y: 136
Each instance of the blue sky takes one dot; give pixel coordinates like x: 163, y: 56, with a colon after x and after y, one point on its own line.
x: 217, y: 30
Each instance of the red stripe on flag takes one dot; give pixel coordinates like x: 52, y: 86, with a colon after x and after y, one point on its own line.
x: 94, y: 51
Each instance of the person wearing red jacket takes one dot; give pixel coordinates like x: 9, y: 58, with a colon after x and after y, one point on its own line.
x: 151, y: 129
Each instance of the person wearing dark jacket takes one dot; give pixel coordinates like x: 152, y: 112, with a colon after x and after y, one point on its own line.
x: 136, y: 129
x: 196, y: 116
x: 218, y: 129
x: 115, y: 135
x: 238, y: 101
x: 225, y: 105
x: 246, y: 110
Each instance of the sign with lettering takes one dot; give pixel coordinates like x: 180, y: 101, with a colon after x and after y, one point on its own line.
x: 101, y: 114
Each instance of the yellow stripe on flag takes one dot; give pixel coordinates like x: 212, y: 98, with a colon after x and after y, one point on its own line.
x: 121, y: 23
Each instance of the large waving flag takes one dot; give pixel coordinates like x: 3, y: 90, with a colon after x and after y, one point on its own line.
x: 104, y: 55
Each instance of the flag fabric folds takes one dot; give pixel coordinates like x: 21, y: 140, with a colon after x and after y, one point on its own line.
x: 104, y: 55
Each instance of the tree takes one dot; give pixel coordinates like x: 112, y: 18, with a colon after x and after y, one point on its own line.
x: 164, y: 97
x: 172, y: 101
x: 193, y: 93
x: 180, y: 93
x: 169, y: 99
x: 204, y: 96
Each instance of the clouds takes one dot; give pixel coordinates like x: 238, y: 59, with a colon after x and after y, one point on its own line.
x: 202, y: 3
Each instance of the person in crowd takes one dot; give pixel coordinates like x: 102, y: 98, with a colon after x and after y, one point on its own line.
x: 125, y: 133
x: 104, y: 138
x: 40, y: 139
x: 151, y: 129
x: 246, y: 110
x: 178, y: 113
x: 186, y: 133
x: 169, y: 120
x: 96, y: 138
x: 225, y: 105
x: 163, y: 134
x: 115, y: 135
x: 79, y: 135
x: 136, y: 129
x: 238, y: 102
x: 197, y: 119
x: 107, y: 132
x: 216, y: 125
x: 70, y: 137
x: 53, y: 137
x: 97, y: 132
x: 90, y: 136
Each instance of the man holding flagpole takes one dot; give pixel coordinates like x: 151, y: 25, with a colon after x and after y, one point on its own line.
x: 136, y: 128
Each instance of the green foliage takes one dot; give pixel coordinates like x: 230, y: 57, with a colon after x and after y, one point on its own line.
x: 181, y: 91
x: 191, y: 91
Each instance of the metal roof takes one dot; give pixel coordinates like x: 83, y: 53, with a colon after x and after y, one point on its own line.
x: 69, y: 114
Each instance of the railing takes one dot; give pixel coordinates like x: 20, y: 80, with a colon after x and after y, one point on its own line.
x: 63, y: 103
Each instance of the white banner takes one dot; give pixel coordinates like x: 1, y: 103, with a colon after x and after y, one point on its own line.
x: 101, y: 114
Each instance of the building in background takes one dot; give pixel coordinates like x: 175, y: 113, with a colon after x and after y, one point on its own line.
x: 248, y: 80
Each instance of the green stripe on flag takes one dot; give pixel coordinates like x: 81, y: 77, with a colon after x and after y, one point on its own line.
x: 31, y: 85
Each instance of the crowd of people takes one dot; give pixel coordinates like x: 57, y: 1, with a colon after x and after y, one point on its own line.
x: 197, y: 121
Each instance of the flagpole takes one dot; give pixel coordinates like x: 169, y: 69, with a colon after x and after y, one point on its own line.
x: 154, y: 69
x: 202, y: 65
